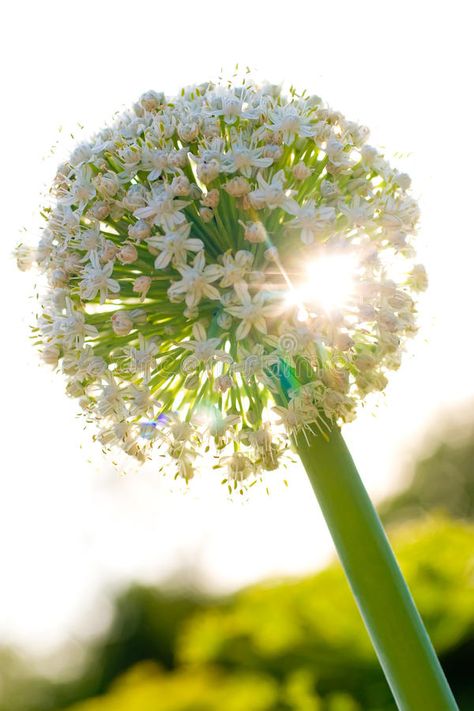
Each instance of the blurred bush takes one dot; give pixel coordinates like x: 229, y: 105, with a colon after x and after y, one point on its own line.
x: 283, y: 646
x: 442, y: 481
x: 313, y: 626
x: 145, y: 625
x: 296, y: 645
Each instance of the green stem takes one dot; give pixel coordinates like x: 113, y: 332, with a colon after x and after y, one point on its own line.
x: 395, y: 627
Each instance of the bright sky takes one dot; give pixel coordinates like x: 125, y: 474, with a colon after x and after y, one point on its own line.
x: 69, y: 524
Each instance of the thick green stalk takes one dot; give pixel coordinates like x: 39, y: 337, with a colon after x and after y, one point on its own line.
x: 397, y: 632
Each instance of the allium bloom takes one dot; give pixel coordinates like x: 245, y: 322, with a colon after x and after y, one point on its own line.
x: 219, y: 269
x: 231, y: 270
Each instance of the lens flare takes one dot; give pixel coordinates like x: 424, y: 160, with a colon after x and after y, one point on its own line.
x: 328, y: 284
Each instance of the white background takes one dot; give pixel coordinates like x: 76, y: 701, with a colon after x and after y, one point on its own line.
x: 71, y: 527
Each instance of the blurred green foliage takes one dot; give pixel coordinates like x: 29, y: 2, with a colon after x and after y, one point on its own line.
x: 288, y: 646
x: 313, y: 625
x: 145, y: 625
x: 282, y: 646
x: 442, y: 481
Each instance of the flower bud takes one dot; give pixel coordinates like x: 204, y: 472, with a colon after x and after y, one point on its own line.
x: 100, y: 210
x: 188, y: 132
x: 365, y: 361
x: 25, y: 256
x: 50, y: 354
x: 109, y: 252
x: 237, y: 187
x: 139, y: 231
x: 58, y: 278
x: 224, y: 320
x: 72, y: 264
x: 272, y: 151
x: 141, y: 286
x: 122, y: 324
x: 222, y: 383
x: 301, y: 171
x: 135, y: 197
x: 207, y: 171
x: 85, y: 403
x: 255, y: 232
x: 128, y: 254
x: 343, y: 341
x: 211, y: 199
x: 178, y: 159
x: 271, y: 254
x: 417, y: 278
x: 180, y: 186
x: 206, y: 214
x: 152, y: 100
x: 387, y: 320
x: 369, y: 154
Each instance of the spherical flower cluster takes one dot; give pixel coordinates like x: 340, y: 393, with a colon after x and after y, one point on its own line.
x: 224, y: 268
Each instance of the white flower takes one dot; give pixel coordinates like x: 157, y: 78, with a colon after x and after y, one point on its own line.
x: 274, y: 194
x: 98, y: 279
x: 204, y: 349
x: 220, y: 425
x: 234, y: 318
x: 70, y: 329
x: 301, y: 171
x: 156, y: 161
x: 81, y: 154
x: 252, y: 313
x: 196, y: 282
x: 234, y: 271
x: 399, y: 214
x: 239, y: 467
x: 231, y: 108
x: 179, y: 430
x: 142, y: 286
x: 107, y: 184
x: 243, y: 159
x: 293, y: 418
x: 83, y: 363
x: 359, y: 212
x: 313, y: 221
x: 110, y: 402
x: 174, y: 246
x: 336, y: 154
x: 254, y: 232
x: 92, y: 241
x: 81, y: 191
x: 141, y: 401
x: 142, y: 359
x: 162, y: 209
x: 290, y: 123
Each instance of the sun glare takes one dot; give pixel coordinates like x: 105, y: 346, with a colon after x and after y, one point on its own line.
x: 327, y: 284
